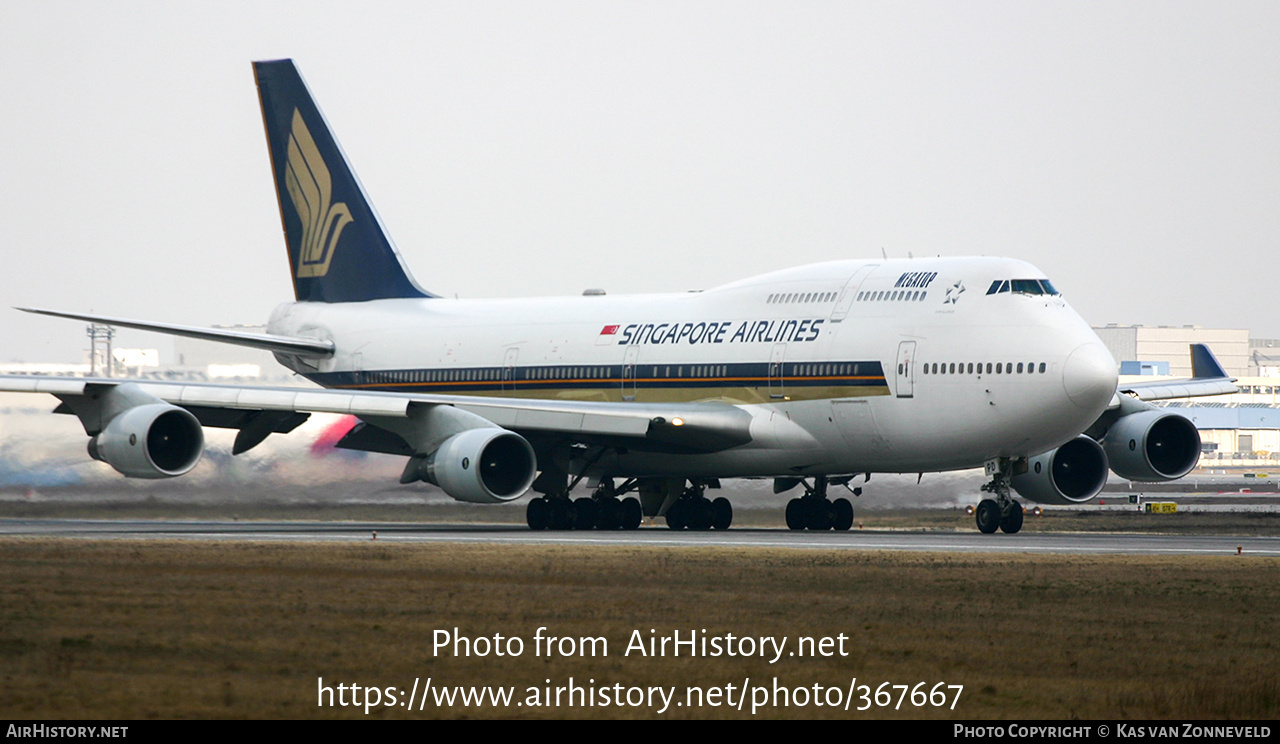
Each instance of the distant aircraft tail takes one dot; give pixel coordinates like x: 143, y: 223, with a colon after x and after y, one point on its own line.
x: 338, y: 249
x: 1204, y: 365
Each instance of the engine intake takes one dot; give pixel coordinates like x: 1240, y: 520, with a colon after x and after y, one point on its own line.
x: 157, y: 440
x: 1152, y: 446
x: 1071, y: 474
x: 482, y: 466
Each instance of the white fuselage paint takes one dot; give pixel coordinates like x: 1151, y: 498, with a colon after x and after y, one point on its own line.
x: 950, y: 420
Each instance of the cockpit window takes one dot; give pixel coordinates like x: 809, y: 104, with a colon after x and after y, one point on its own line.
x: 1023, y: 286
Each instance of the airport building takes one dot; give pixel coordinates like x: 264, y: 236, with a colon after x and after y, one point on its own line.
x: 1146, y: 345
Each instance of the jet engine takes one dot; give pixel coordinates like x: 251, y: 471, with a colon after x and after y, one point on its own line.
x: 1071, y: 474
x: 157, y: 440
x: 482, y: 466
x: 1152, y: 446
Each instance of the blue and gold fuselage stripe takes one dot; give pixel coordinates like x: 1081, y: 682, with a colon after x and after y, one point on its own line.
x: 857, y: 378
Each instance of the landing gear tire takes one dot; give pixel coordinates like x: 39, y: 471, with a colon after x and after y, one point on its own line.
x: 1011, y: 522
x: 796, y: 514
x: 585, y: 512
x: 536, y: 514
x: 821, y: 515
x: 843, y: 515
x: 699, y: 514
x: 608, y: 513
x: 988, y: 516
x: 560, y: 513
x: 676, y: 516
x: 721, y: 514
x: 631, y: 514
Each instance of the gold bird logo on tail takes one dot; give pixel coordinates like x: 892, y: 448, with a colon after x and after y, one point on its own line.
x: 311, y: 190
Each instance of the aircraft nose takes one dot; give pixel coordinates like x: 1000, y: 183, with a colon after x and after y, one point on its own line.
x: 1089, y: 376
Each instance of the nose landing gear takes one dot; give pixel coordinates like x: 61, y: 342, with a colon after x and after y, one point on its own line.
x: 1002, y: 512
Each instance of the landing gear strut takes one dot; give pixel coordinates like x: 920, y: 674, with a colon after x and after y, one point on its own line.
x: 814, y: 511
x: 1001, y: 512
x: 610, y: 511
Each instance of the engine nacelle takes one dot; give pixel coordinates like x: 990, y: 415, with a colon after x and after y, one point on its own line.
x: 1152, y: 446
x: 482, y: 466
x: 1071, y: 474
x: 157, y: 440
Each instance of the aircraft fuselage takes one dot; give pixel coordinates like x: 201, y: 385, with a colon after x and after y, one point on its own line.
x: 847, y: 366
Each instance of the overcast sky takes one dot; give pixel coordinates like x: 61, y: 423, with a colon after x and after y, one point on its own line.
x: 1131, y: 150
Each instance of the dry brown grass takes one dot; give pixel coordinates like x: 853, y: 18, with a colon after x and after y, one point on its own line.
x: 210, y: 629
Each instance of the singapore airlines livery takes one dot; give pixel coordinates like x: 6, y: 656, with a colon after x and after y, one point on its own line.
x: 812, y: 376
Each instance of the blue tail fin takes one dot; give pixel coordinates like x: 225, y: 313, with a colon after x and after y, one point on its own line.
x: 338, y: 249
x: 1204, y: 364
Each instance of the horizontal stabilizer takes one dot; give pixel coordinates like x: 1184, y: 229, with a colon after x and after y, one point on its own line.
x: 310, y: 347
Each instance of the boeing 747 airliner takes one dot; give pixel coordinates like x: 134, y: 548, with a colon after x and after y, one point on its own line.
x: 812, y: 376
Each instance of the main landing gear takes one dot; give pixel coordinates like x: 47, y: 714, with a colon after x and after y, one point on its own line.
x: 603, y: 510
x: 694, y: 511
x: 1002, y: 512
x: 814, y: 511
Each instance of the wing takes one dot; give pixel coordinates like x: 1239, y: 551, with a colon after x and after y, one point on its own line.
x: 1207, y: 378
x: 259, y: 411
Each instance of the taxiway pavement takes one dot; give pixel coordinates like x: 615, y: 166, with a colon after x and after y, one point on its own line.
x: 654, y: 536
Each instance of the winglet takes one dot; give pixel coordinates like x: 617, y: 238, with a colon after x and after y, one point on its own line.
x: 1204, y: 364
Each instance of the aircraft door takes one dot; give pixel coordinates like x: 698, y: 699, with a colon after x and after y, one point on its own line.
x: 776, y: 370
x: 857, y: 422
x: 906, y: 369
x: 509, y: 371
x: 629, y: 373
x: 849, y: 292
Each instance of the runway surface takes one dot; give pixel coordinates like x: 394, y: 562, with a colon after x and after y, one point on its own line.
x: 399, y: 532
